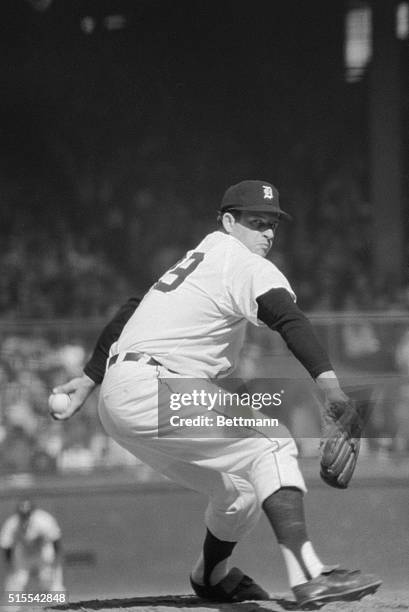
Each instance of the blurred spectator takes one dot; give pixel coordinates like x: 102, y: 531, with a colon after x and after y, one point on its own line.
x: 360, y: 341
x: 31, y: 543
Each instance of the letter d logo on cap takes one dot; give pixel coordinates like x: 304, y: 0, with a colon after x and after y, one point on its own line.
x: 268, y: 192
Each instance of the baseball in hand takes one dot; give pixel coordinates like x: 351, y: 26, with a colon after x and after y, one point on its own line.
x: 58, y: 402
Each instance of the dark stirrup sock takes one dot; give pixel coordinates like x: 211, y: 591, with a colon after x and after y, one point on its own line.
x: 214, y: 551
x: 285, y: 512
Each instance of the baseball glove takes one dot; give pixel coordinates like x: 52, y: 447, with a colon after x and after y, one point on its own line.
x: 340, y: 446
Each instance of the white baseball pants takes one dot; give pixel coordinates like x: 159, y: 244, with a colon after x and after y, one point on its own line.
x: 42, y: 565
x: 236, y: 474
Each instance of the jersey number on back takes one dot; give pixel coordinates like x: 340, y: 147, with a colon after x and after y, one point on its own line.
x: 180, y: 272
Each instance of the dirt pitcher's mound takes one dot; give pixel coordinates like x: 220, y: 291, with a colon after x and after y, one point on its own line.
x: 189, y: 603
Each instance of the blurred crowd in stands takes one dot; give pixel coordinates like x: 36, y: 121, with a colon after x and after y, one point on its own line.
x: 45, y: 278
x: 35, y: 359
x: 30, y: 441
x: 54, y: 274
x: 60, y: 271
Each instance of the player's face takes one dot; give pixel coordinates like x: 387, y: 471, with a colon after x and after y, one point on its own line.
x: 256, y: 231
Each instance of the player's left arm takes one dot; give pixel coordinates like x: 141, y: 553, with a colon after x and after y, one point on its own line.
x: 58, y: 573
x: 58, y: 549
x: 343, y: 423
x: 81, y: 387
x: 50, y: 530
x: 277, y: 309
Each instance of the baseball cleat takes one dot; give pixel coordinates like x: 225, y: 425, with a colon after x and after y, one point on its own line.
x: 335, y: 585
x: 236, y: 586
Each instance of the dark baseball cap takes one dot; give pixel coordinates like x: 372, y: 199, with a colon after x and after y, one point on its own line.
x: 257, y: 196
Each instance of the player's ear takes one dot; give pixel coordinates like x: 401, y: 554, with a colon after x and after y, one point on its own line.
x: 227, y: 222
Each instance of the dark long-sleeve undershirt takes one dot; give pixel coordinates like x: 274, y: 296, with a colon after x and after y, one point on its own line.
x: 277, y: 309
x: 95, y: 368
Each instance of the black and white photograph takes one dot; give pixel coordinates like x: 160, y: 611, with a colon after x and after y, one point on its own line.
x: 204, y: 305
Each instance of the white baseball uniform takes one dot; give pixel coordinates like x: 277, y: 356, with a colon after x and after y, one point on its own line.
x: 192, y: 321
x: 33, y: 551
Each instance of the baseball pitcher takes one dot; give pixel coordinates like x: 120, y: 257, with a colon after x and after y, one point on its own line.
x: 191, y: 324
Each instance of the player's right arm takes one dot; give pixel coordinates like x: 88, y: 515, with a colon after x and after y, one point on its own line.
x: 95, y: 368
x: 8, y: 538
x: 81, y: 387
